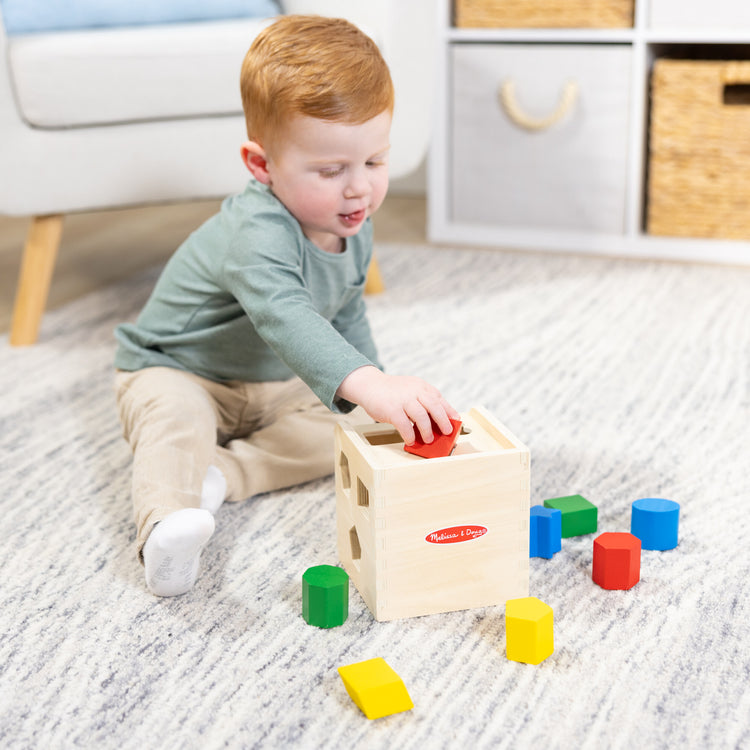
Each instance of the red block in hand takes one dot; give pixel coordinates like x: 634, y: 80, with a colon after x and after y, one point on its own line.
x: 441, y: 445
x: 617, y: 560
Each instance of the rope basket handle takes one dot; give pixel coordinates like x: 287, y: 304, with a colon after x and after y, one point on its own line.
x: 507, y: 96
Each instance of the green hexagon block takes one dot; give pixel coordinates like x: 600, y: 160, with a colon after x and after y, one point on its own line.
x: 578, y: 514
x: 325, y: 596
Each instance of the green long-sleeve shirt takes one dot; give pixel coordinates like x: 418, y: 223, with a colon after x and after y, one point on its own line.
x: 248, y: 297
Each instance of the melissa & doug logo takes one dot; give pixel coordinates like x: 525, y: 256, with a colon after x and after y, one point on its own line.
x: 455, y: 534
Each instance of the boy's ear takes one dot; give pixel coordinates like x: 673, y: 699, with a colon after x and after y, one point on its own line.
x: 254, y: 157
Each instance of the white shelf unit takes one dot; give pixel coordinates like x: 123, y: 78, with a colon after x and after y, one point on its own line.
x: 644, y: 44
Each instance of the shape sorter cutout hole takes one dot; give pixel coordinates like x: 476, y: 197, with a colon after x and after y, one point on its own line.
x: 354, y: 543
x: 363, y: 494
x: 393, y: 437
x: 384, y: 438
x: 737, y: 94
x: 463, y: 449
x: 346, y: 480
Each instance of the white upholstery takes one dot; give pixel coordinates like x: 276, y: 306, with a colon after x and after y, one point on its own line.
x: 129, y: 74
x: 107, y: 118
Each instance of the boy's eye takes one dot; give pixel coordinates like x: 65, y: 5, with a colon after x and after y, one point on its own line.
x: 331, y: 172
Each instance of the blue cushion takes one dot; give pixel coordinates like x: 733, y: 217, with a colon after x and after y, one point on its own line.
x: 27, y: 16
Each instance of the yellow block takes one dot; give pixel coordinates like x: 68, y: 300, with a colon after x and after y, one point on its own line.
x: 375, y: 688
x: 528, y: 630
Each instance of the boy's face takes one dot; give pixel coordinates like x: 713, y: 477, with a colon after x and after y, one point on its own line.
x: 330, y: 176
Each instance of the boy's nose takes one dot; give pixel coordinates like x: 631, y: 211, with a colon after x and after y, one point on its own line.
x: 357, y: 186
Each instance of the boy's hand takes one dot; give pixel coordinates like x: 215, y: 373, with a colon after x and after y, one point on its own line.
x: 405, y: 402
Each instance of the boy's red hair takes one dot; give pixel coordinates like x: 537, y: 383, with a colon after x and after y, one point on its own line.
x: 313, y: 66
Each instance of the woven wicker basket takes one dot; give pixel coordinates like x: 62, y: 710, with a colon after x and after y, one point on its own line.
x: 699, y: 164
x: 599, y: 14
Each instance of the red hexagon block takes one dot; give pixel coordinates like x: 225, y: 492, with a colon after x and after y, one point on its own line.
x: 617, y: 560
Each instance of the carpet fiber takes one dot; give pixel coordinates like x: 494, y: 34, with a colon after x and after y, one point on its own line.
x: 625, y: 379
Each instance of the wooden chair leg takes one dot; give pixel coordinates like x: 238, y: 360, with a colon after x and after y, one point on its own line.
x: 37, y: 265
x: 374, y: 281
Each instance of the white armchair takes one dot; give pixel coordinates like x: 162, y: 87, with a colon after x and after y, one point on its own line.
x: 116, y: 117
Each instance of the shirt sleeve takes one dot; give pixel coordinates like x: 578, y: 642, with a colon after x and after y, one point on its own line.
x: 353, y: 325
x: 269, y: 283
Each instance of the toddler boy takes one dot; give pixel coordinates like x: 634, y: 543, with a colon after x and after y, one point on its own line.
x: 255, y: 339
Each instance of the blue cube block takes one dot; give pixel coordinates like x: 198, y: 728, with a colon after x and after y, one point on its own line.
x: 545, y: 530
x: 655, y: 522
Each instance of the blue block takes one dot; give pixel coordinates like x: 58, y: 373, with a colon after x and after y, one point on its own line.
x: 545, y: 530
x: 655, y: 522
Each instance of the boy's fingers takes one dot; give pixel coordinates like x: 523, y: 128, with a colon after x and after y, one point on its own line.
x: 440, y: 412
x: 445, y: 425
x: 452, y: 413
x: 423, y: 423
x: 405, y: 428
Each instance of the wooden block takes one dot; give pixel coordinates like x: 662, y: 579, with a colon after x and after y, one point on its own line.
x: 325, y: 596
x: 419, y: 537
x: 579, y: 516
x: 376, y: 688
x: 529, y: 636
x: 545, y: 531
x: 441, y: 446
x: 617, y: 560
x: 655, y: 521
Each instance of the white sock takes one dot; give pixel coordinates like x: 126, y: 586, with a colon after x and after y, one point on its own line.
x: 173, y: 549
x: 214, y: 490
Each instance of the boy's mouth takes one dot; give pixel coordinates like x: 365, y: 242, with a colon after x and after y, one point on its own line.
x: 352, y: 219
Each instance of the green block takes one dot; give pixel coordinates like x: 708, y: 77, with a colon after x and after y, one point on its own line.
x: 578, y: 514
x: 325, y: 596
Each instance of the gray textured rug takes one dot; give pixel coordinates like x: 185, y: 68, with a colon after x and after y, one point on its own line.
x: 625, y: 379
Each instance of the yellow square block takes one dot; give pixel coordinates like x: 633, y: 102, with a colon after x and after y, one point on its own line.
x: 529, y: 634
x: 375, y: 688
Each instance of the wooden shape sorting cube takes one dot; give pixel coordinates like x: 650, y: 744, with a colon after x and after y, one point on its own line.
x: 545, y: 531
x: 617, y: 560
x: 529, y: 636
x: 325, y: 596
x: 376, y: 688
x: 419, y: 537
x: 655, y: 521
x: 579, y: 516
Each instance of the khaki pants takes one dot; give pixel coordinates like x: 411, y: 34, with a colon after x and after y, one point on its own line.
x: 262, y: 436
